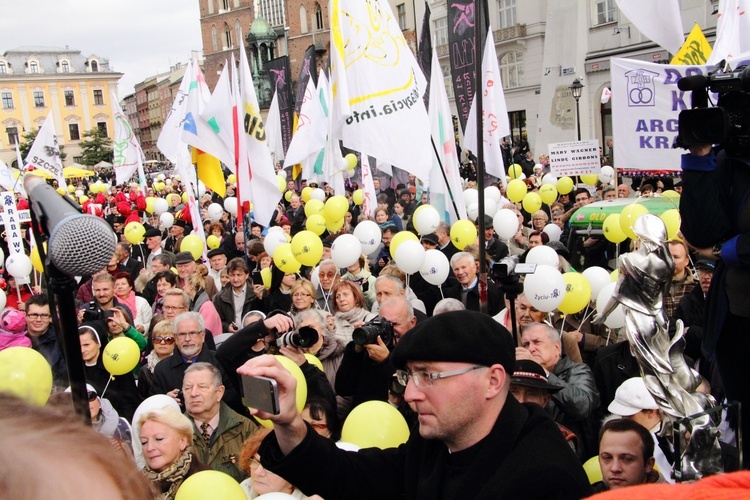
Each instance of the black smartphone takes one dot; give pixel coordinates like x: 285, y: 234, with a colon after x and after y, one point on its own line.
x: 260, y: 393
x: 256, y: 277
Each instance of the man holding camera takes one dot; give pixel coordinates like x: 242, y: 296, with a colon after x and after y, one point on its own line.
x: 366, y: 370
x: 474, y: 441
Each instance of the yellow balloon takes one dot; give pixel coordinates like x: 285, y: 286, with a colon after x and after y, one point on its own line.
x: 194, y: 244
x: 83, y: 199
x: 351, y: 161
x: 590, y: 179
x: 335, y: 226
x: 516, y: 190
x: 316, y: 223
x: 134, y: 232
x: 231, y: 179
x: 548, y: 193
x: 593, y: 469
x: 628, y: 216
x: 399, y: 238
x: 210, y: 484
x: 283, y: 258
x: 296, y: 371
x: 307, y: 248
x: 288, y: 195
x: 672, y: 195
x: 185, y: 197
x: 532, y: 202
x: 26, y: 374
x: 335, y: 208
x: 159, y: 186
x: 306, y: 192
x: 375, y: 424
x: 463, y: 233
x: 121, y: 356
x: 358, y: 197
x: 614, y: 275
x: 213, y: 241
x: 36, y: 259
x: 61, y: 191
x: 564, y: 185
x: 577, y: 293
x: 672, y: 220
x: 71, y: 188
x: 150, y: 204
x: 515, y: 171
x: 265, y: 276
x: 281, y: 183
x: 612, y: 230
x: 314, y: 207
x: 313, y: 360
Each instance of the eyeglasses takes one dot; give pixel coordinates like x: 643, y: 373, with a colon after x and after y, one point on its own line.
x: 92, y: 395
x: 300, y: 295
x: 326, y: 275
x: 426, y: 379
x: 188, y: 334
x: 254, y: 464
x: 164, y: 340
x: 37, y: 316
x: 173, y: 308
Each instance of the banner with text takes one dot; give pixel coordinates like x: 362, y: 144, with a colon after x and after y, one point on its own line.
x: 574, y: 158
x: 462, y: 53
x: 281, y: 79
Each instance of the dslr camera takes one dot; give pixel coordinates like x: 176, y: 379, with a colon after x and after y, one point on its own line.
x: 303, y: 337
x: 726, y: 124
x: 93, y: 312
x: 369, y: 332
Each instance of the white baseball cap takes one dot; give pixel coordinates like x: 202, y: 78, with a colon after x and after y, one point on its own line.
x: 631, y: 397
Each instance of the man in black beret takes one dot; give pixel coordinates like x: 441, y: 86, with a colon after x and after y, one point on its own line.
x: 473, y: 440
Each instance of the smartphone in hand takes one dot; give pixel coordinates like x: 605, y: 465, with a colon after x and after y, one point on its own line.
x: 260, y: 393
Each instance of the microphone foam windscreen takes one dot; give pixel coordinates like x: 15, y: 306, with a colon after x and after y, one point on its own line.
x: 82, y: 245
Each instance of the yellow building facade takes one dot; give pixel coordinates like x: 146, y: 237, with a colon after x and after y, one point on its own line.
x: 76, y: 89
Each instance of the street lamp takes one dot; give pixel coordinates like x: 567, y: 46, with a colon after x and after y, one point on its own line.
x: 577, y: 89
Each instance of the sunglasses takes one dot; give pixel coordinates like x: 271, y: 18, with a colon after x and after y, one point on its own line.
x: 92, y: 395
x: 164, y: 340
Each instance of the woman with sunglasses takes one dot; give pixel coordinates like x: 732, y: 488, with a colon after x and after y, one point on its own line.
x: 162, y: 338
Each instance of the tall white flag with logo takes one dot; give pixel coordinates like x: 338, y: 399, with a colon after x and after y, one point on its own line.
x: 658, y: 20
x: 170, y: 141
x: 273, y: 129
x: 45, y: 152
x: 11, y: 180
x: 312, y: 128
x: 128, y: 156
x: 495, y: 114
x: 732, y: 30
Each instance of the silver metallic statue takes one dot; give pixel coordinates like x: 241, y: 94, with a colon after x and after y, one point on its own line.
x: 645, y: 276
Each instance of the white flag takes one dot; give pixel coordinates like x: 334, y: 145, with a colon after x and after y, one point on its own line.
x: 128, y: 156
x: 495, y: 114
x: 445, y: 144
x: 378, y: 86
x: 370, y: 203
x: 732, y: 30
x: 45, y: 152
x: 11, y: 180
x: 217, y: 114
x: 273, y: 129
x: 658, y: 20
x: 170, y: 141
x: 312, y: 128
x: 255, y: 174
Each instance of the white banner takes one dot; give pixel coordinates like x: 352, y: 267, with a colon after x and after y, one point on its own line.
x: 574, y: 158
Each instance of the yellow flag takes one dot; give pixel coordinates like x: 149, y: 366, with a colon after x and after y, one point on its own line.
x: 695, y: 51
x: 297, y: 168
x: 209, y: 171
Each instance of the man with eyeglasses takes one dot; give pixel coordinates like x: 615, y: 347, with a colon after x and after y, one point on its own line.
x: 474, y: 440
x: 328, y: 276
x: 40, y: 330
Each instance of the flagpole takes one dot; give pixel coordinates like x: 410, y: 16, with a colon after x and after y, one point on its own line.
x: 445, y: 177
x: 479, y: 51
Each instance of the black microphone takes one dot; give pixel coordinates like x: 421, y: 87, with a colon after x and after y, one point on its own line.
x: 692, y: 82
x: 79, y: 244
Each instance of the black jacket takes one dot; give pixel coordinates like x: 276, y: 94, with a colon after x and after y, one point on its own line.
x: 224, y: 304
x: 362, y: 378
x: 495, y: 297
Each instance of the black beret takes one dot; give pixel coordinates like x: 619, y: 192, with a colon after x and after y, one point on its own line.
x: 445, y: 337
x: 151, y: 233
x: 215, y: 252
x: 181, y: 223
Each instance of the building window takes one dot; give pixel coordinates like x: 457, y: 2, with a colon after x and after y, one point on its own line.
x: 98, y: 98
x: 605, y: 11
x: 517, y: 121
x: 102, y: 126
x: 227, y: 37
x: 12, y: 135
x: 65, y: 67
x: 33, y: 67
x: 440, y: 28
x: 401, y: 9
x: 318, y: 17
x: 75, y: 135
x: 70, y: 98
x: 94, y: 67
x: 302, y: 19
x: 225, y: 4
x: 38, y: 99
x: 506, y: 10
x: 215, y: 38
x: 273, y: 12
x: 78, y: 159
x: 7, y: 100
x: 210, y: 6
x: 238, y: 30
x: 3, y: 68
x: 511, y: 69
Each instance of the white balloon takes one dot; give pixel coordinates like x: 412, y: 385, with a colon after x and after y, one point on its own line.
x: 168, y: 182
x: 553, y: 231
x: 230, y: 205
x: 505, y: 223
x: 472, y: 211
x: 606, y: 174
x: 490, y: 206
x: 545, y: 289
x: 410, y: 256
x: 79, y: 193
x: 549, y: 179
x: 598, y: 278
x: 201, y: 189
x: 166, y: 219
x: 314, y: 278
x: 18, y: 265
x: 616, y: 318
x: 543, y: 255
x: 215, y: 211
x: 435, y: 268
x: 471, y: 195
x: 343, y: 445
x: 318, y: 194
x: 369, y: 235
x: 3, y: 300
x: 160, y: 206
x: 273, y: 240
x: 2, y: 257
x: 345, y: 250
x: 274, y: 229
x: 427, y: 220
x: 493, y: 193
x: 161, y: 177
x: 274, y: 495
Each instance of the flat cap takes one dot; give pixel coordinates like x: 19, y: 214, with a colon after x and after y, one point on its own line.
x: 183, y: 258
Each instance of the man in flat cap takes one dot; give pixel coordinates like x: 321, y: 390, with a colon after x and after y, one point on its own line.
x: 473, y: 440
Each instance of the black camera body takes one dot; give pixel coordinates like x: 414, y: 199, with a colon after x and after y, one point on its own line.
x: 93, y: 312
x: 369, y: 332
x: 728, y: 123
x: 302, y: 338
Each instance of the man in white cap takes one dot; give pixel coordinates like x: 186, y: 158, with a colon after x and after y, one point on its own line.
x: 634, y: 402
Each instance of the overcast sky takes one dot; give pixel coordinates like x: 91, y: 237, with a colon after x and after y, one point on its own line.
x: 139, y: 37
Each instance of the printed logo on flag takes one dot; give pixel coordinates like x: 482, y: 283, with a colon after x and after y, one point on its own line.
x: 641, y: 88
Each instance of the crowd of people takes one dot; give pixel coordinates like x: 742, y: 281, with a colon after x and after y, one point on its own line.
x: 197, y: 321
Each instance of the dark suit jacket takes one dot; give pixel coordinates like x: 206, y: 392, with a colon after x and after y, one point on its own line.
x: 495, y: 297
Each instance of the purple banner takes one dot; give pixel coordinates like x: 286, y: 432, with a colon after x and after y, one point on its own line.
x: 280, y: 77
x: 424, y: 53
x: 463, y: 53
x: 308, y: 70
